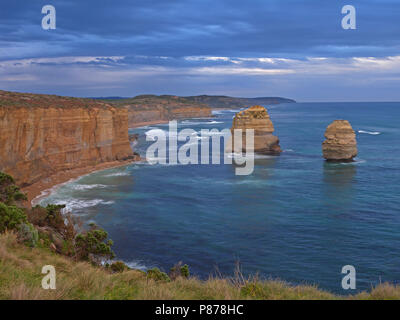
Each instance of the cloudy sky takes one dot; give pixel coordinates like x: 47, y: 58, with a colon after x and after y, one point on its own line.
x: 290, y: 48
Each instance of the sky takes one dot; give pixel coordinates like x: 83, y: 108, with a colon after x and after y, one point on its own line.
x: 290, y: 48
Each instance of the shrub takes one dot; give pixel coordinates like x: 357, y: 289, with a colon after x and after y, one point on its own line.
x: 51, y: 216
x: 185, y: 271
x: 12, y: 194
x: 157, y: 275
x: 118, y: 266
x: 9, y: 192
x: 11, y: 217
x: 54, y: 213
x: 6, y: 179
x: 93, y: 245
x: 28, y: 234
x: 179, y: 271
x: 37, y: 216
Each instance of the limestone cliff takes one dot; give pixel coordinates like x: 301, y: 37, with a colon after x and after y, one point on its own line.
x: 340, y: 143
x: 150, y: 109
x: 42, y: 135
x: 257, y: 118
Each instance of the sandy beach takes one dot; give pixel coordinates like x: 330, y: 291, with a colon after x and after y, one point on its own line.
x: 42, y: 188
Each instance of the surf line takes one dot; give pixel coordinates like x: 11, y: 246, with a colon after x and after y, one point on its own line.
x: 188, y: 153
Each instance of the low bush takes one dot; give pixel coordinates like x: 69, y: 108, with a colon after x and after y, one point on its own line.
x: 157, y: 275
x: 9, y: 192
x: 6, y: 179
x: 118, y: 266
x: 179, y: 271
x: 11, y: 217
x: 52, y: 217
x: 92, y: 245
x: 28, y: 234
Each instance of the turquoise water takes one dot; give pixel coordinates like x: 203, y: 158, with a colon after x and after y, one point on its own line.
x: 296, y: 218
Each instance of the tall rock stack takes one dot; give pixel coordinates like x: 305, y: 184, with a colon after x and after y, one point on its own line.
x: 257, y: 118
x: 340, y: 144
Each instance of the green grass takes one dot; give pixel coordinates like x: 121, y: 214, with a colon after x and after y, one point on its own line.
x: 20, y: 278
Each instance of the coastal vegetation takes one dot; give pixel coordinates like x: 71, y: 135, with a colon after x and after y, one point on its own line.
x: 33, y: 100
x: 200, y: 101
x: 83, y: 259
x: 226, y: 102
x: 20, y: 278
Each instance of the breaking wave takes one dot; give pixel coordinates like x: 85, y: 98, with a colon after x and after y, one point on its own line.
x: 88, y: 186
x: 369, y: 132
x: 117, y: 174
x: 137, y: 265
x: 73, y: 204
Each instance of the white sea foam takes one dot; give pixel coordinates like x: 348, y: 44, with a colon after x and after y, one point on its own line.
x: 352, y: 163
x: 359, y: 161
x: 254, y: 155
x: 195, y: 123
x: 48, y: 192
x: 369, y: 132
x: 225, y: 111
x: 75, y: 204
x: 117, y: 174
x: 137, y: 265
x: 88, y: 186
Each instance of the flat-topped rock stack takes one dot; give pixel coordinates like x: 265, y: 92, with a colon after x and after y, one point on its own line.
x: 257, y: 118
x: 340, y: 144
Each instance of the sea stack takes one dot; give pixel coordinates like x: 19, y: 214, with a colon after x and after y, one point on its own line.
x: 340, y: 144
x: 257, y: 118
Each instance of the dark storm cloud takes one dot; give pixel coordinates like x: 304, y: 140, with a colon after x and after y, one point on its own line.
x: 203, y: 27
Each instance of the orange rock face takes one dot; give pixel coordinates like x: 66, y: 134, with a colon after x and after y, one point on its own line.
x: 157, y: 114
x: 37, y: 142
x: 340, y: 143
x: 149, y: 114
x: 257, y: 118
x: 151, y: 109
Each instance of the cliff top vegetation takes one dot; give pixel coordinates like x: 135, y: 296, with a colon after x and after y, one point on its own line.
x: 151, y: 101
x: 31, y: 100
x: 235, y: 103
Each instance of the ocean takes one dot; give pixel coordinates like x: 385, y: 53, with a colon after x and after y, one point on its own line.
x: 295, y: 218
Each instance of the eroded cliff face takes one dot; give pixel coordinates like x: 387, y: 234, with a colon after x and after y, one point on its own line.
x: 258, y: 119
x: 150, y: 109
x: 158, y: 114
x: 63, y: 134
